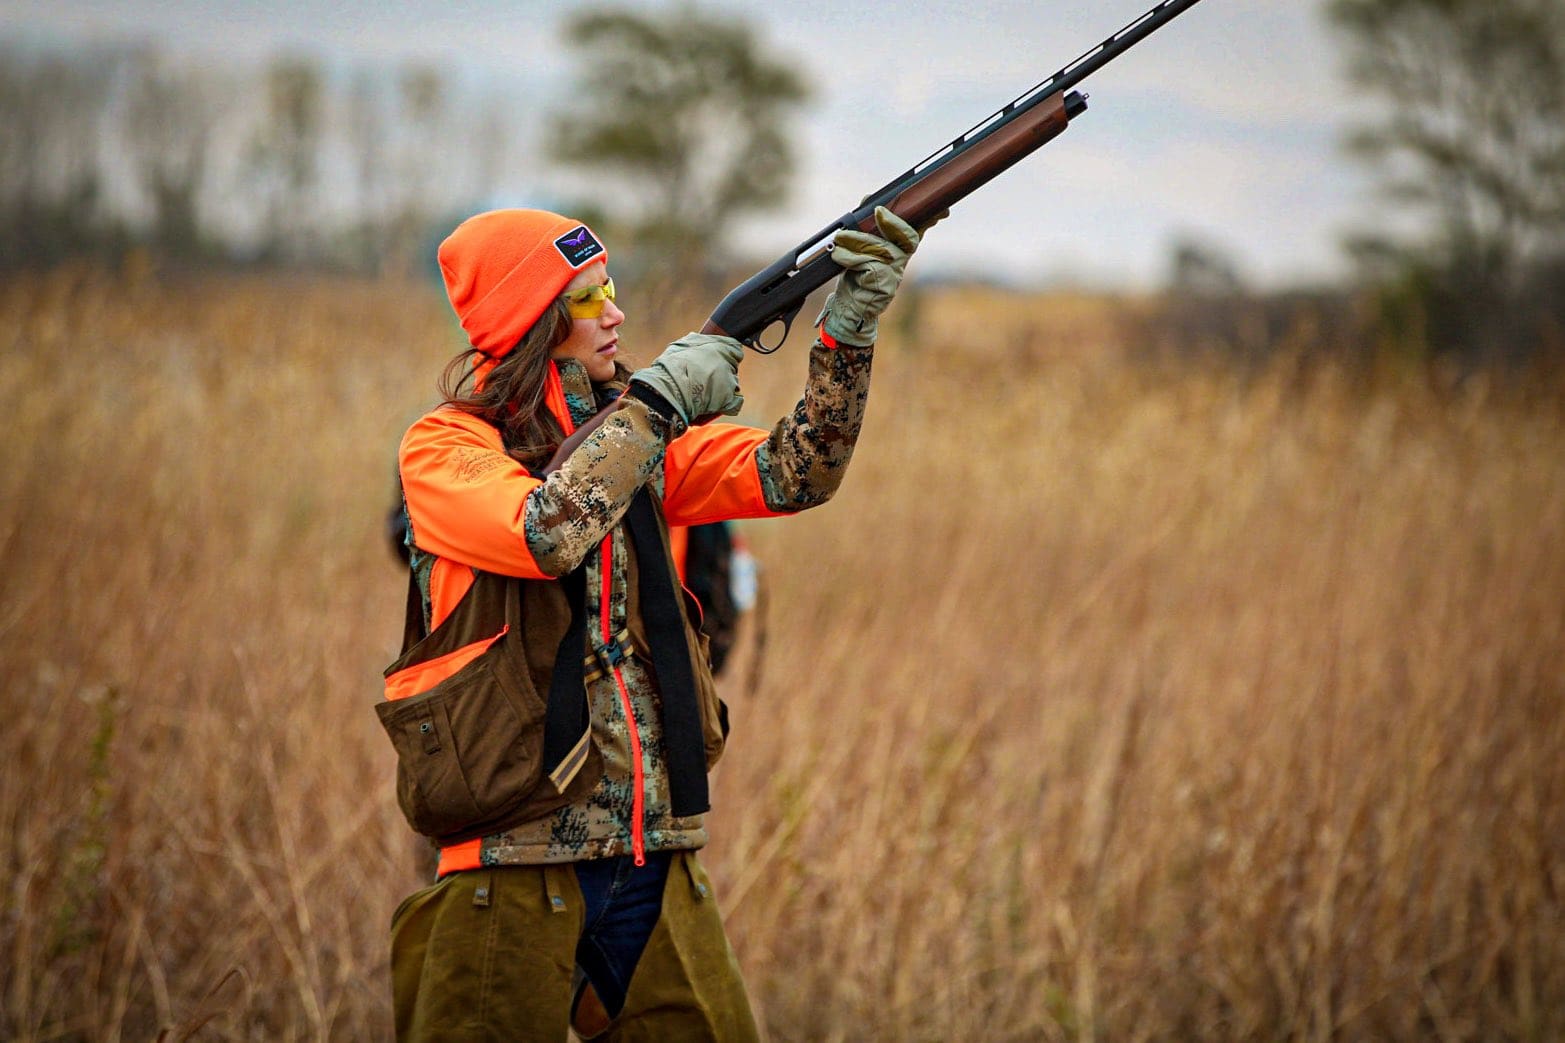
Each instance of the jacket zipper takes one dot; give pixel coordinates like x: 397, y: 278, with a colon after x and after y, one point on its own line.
x: 638, y: 842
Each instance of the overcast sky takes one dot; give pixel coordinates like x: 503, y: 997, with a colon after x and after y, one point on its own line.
x: 1226, y: 125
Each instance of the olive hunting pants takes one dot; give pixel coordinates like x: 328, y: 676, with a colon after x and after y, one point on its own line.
x: 490, y: 954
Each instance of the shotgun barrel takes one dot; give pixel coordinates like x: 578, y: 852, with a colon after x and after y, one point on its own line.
x: 1006, y: 137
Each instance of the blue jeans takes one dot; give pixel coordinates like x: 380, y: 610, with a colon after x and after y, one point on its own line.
x: 622, y: 905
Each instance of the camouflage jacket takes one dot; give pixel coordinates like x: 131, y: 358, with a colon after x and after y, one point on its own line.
x: 472, y: 506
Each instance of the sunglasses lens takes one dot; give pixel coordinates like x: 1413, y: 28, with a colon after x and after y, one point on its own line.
x: 587, y: 302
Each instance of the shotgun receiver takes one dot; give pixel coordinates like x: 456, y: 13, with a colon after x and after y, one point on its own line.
x: 777, y: 292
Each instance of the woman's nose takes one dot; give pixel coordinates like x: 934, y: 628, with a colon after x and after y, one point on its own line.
x: 612, y: 316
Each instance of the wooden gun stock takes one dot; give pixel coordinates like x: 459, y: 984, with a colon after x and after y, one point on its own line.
x: 919, y: 203
x: 925, y: 199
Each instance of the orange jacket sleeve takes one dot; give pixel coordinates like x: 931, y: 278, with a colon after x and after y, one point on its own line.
x: 719, y: 471
x: 710, y: 474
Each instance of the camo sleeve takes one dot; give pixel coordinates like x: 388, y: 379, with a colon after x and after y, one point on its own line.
x: 571, y: 511
x: 802, y: 463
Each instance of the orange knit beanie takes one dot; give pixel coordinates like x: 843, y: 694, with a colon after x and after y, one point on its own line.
x: 504, y: 267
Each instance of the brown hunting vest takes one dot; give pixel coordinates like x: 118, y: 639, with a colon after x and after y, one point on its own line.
x: 507, y: 738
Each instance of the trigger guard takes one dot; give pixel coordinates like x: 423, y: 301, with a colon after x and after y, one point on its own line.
x: 760, y: 348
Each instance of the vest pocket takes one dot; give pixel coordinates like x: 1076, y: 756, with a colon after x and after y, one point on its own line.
x: 468, y: 750
x: 714, y: 712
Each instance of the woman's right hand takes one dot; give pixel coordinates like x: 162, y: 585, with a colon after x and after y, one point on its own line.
x: 698, y: 375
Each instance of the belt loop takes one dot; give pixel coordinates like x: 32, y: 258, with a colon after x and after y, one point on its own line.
x: 483, y: 893
x: 552, y: 888
x: 697, y: 885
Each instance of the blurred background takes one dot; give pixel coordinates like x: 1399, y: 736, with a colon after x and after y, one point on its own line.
x: 1266, y: 147
x: 1183, y: 657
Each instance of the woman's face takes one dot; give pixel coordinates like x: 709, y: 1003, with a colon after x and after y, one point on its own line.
x: 593, y: 342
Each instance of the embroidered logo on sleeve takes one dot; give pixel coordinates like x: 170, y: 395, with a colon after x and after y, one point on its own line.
x: 578, y: 246
x: 473, y: 464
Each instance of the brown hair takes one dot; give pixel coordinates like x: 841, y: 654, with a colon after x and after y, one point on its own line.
x: 511, y: 397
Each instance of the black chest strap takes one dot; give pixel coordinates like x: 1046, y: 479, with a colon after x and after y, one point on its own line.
x: 567, y: 721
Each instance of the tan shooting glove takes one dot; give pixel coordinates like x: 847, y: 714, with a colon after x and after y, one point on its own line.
x: 698, y: 375
x: 872, y: 271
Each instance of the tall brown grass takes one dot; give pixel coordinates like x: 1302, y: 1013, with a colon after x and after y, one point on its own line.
x: 1108, y: 701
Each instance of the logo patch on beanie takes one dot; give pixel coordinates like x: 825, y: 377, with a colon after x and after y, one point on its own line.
x: 578, y: 246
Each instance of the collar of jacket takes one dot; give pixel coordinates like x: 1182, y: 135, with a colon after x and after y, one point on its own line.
x: 568, y: 394
x: 572, y: 397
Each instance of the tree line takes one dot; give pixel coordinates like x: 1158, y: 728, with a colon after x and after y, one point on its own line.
x: 296, y: 162
x: 1464, y: 123
x: 1462, y: 118
x: 1459, y: 113
x: 287, y: 162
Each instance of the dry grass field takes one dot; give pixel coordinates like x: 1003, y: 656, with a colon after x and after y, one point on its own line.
x: 1109, y: 701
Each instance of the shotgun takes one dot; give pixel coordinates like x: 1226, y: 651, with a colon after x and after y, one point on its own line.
x: 777, y: 292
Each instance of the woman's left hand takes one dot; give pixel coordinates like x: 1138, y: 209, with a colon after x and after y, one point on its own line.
x: 872, y: 271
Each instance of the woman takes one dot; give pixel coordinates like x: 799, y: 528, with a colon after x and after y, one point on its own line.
x: 553, y: 711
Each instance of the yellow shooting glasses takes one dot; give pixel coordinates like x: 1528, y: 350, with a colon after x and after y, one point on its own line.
x: 587, y: 302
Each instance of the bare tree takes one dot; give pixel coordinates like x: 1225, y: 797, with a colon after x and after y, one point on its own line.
x: 52, y: 110
x: 693, y: 118
x: 490, y: 148
x: 420, y: 159
x: 365, y: 130
x: 171, y: 114
x: 1472, y: 136
x: 285, y: 156
x: 1199, y: 267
